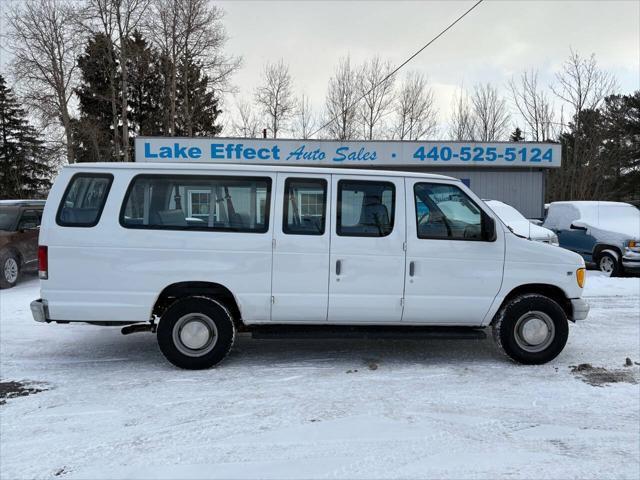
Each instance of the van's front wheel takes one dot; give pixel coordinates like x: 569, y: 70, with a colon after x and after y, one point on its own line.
x: 531, y: 329
x: 196, y: 333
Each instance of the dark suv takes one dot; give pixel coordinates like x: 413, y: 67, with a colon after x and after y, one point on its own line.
x: 19, y: 228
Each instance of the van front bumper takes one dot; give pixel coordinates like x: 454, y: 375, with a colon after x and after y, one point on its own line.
x: 579, y: 308
x: 40, y: 310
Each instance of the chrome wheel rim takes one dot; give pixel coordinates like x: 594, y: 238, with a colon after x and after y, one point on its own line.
x: 606, y: 265
x: 195, y: 334
x: 534, y: 331
x: 11, y: 270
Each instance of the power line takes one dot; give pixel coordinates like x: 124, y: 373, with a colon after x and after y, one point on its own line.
x: 399, y: 67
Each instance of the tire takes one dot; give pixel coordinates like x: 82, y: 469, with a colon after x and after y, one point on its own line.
x: 531, y: 329
x: 196, y: 333
x: 609, y: 264
x: 9, y: 269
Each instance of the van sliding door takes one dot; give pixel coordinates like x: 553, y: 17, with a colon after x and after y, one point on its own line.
x: 366, y: 280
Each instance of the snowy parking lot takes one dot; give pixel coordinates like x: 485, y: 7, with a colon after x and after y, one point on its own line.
x: 103, y: 405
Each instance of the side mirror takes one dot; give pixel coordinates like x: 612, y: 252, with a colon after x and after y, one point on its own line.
x: 578, y: 226
x: 488, y: 228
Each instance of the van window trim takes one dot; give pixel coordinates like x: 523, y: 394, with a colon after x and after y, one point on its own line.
x: 61, y: 223
x: 267, y: 209
x: 482, y: 213
x: 285, y: 205
x: 339, y: 208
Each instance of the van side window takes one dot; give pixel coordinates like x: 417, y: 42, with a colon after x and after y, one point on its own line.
x: 446, y: 212
x: 188, y: 202
x: 305, y: 206
x: 365, y: 208
x: 84, y: 199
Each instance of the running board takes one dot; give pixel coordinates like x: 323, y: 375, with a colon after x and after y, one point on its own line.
x: 265, y: 332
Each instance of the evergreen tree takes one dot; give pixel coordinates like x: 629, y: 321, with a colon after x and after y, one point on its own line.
x: 145, y: 85
x: 96, y: 138
x: 621, y: 145
x: 516, y: 135
x: 94, y: 129
x: 601, y: 159
x: 24, y: 170
x: 198, y: 114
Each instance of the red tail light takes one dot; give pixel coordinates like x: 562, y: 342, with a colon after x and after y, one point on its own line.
x: 43, y: 262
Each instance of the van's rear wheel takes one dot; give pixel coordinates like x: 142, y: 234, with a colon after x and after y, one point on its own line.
x: 531, y: 329
x: 196, y: 333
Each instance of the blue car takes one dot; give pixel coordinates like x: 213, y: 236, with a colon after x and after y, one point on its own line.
x: 606, y: 234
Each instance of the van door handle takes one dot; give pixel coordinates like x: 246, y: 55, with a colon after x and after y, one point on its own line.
x: 412, y: 268
x: 338, y: 267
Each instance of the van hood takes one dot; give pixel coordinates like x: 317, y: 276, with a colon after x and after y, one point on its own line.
x: 543, y: 253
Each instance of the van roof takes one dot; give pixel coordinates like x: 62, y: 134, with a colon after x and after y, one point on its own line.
x: 252, y: 168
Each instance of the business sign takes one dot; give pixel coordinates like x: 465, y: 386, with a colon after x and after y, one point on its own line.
x: 354, y: 153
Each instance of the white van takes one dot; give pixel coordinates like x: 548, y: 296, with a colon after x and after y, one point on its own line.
x: 199, y: 251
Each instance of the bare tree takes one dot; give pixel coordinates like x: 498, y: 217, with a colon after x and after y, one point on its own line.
x: 342, y: 95
x: 163, y: 27
x: 462, y: 125
x: 490, y: 114
x: 377, y: 91
x: 582, y: 84
x: 188, y: 31
x: 45, y: 42
x: 203, y: 40
x: 275, y: 96
x: 534, y: 105
x: 245, y: 123
x: 415, y: 110
x: 305, y: 120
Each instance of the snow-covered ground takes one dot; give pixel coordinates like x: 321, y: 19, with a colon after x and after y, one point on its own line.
x: 114, y: 408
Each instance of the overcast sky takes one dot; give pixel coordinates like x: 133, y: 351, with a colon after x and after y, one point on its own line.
x: 497, y: 40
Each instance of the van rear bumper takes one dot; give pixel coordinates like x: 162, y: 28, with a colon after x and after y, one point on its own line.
x: 40, y: 310
x: 579, y: 308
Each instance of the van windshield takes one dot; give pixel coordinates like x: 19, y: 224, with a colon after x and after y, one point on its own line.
x: 8, y: 218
